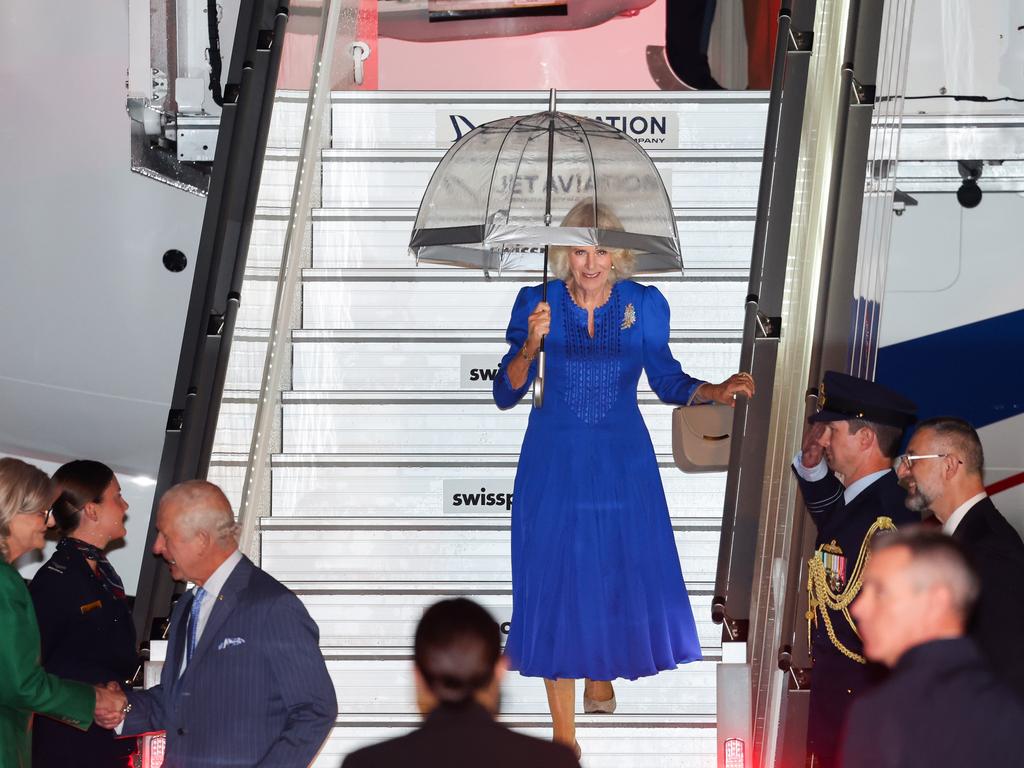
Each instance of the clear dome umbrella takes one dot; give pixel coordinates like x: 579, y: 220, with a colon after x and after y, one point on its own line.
x: 497, y: 199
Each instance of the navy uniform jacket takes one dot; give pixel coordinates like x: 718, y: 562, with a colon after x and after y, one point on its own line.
x: 256, y: 691
x: 463, y: 737
x: 941, y: 707
x: 836, y: 678
x: 996, y: 551
x: 87, y: 635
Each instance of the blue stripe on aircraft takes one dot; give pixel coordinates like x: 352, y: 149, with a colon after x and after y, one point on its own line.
x: 972, y: 371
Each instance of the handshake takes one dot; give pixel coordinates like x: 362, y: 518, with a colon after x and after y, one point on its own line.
x: 111, y: 705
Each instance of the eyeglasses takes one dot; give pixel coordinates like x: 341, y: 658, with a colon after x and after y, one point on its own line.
x: 907, y: 460
x: 43, y: 513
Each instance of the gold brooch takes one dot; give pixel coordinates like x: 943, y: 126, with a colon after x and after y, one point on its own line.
x: 628, y: 317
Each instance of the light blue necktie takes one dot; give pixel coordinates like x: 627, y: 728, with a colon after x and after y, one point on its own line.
x: 193, y: 623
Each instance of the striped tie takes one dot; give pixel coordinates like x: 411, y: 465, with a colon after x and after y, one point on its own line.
x: 193, y: 623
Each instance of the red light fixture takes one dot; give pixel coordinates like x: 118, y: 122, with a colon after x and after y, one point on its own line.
x: 734, y: 753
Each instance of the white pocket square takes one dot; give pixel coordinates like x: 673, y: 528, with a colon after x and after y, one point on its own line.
x: 227, y: 642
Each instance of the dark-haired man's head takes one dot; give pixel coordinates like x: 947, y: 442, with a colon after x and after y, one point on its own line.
x: 942, y: 467
x: 917, y: 587
x: 458, y: 656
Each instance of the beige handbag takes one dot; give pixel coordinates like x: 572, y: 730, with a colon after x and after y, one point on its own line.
x: 700, y: 437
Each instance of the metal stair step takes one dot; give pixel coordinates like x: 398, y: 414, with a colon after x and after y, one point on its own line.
x: 407, y: 551
x: 443, y: 364
x: 384, y: 686
x: 417, y: 299
x: 473, y: 302
x: 414, y: 485
x: 425, y: 118
x: 696, y: 179
x: 374, y: 619
x: 347, y: 238
x: 351, y: 491
x: 401, y: 423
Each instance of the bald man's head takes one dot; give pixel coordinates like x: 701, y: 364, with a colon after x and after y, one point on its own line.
x: 196, y: 530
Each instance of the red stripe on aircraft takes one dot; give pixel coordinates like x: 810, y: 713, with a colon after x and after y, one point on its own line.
x: 1005, y: 484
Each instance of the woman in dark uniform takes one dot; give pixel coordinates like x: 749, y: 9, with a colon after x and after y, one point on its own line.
x: 84, y: 619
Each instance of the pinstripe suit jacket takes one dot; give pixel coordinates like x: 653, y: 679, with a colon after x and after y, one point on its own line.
x: 256, y: 691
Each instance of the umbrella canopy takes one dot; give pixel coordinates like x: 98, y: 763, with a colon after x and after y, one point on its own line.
x: 488, y: 204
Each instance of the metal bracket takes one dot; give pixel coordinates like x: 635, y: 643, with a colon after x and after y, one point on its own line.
x: 863, y: 93
x: 175, y: 419
x: 768, y: 327
x: 215, y: 325
x: 901, y: 201
x: 360, y: 52
x: 196, y: 138
x: 801, y: 41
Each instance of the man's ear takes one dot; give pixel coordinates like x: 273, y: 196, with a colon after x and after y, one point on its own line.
x: 952, y: 464
x: 500, y: 668
x: 205, y: 539
x: 426, y: 702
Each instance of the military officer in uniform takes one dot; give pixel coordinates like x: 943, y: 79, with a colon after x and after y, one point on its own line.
x: 851, y: 492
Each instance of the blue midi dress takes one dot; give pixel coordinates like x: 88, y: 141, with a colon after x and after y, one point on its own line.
x: 597, y: 590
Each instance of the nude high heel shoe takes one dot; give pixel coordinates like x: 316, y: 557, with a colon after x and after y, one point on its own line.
x: 598, y: 706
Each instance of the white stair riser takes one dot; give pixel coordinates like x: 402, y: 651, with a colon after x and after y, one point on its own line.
x: 429, y: 556
x: 470, y: 428
x: 444, y: 366
x: 448, y: 428
x: 399, y: 183
x: 388, y: 122
x: 421, y: 491
x: 440, y: 365
x: 714, y: 305
x: 603, y: 747
x: 356, y: 183
x: 366, y: 243
x: 361, y: 304
x: 386, y: 687
x: 388, y: 621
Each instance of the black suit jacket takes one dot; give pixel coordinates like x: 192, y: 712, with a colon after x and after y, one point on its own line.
x: 87, y: 635
x: 462, y: 737
x: 942, y: 708
x: 996, y: 550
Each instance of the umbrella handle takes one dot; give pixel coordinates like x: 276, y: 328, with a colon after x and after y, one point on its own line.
x: 538, y: 381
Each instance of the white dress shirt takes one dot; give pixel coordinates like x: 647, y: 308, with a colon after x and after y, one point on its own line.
x: 958, y: 514
x: 820, y: 470
x: 213, y: 586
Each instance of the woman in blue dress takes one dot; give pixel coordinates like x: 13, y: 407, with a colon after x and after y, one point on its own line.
x: 597, y: 590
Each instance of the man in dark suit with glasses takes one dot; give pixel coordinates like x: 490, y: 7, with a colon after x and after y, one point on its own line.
x: 942, y: 472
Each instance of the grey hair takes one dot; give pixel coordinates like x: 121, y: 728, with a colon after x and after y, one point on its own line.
x: 961, y: 437
x: 24, y: 489
x: 936, y: 559
x: 203, y: 507
x: 586, y: 214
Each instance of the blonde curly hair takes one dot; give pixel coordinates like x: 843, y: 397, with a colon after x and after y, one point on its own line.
x: 24, y: 489
x: 586, y: 214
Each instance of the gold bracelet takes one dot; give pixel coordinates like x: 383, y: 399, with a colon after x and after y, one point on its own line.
x: 525, y: 356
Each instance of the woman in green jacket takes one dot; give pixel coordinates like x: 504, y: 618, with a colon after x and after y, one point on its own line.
x: 26, y: 494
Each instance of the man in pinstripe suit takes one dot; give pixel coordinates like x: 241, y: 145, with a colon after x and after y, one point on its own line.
x: 244, y: 683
